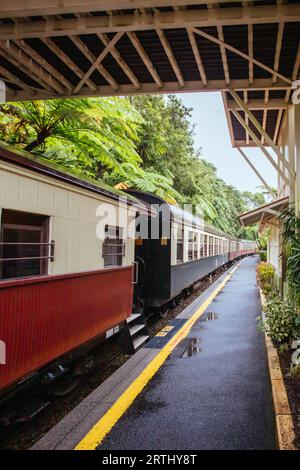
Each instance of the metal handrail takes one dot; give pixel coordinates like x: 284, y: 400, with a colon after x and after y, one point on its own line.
x: 24, y: 258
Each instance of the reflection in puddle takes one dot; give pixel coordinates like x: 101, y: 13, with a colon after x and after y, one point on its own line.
x: 192, y: 348
x: 211, y: 316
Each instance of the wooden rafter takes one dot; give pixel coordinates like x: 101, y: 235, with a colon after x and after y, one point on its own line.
x: 98, y: 60
x: 262, y: 132
x: 66, y: 59
x: 170, y: 55
x: 145, y: 58
x: 197, y: 56
x: 6, y: 75
x: 278, y: 122
x: 91, y: 58
x: 242, y: 54
x: 259, y: 144
x: 250, y: 52
x: 33, y: 70
x: 295, y: 72
x: 223, y: 54
x: 269, y: 189
x: 121, y: 62
x: 278, y: 48
x: 43, y: 63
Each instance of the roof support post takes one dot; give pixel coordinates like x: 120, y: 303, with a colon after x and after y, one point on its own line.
x: 269, y: 189
x: 262, y: 132
x: 260, y: 145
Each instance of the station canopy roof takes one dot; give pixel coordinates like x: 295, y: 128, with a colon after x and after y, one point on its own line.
x: 59, y: 48
x: 266, y: 214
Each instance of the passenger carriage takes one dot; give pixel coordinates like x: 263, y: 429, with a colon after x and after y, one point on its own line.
x: 61, y: 286
x: 186, y: 250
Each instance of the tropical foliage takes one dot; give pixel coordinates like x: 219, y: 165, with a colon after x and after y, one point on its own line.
x: 290, y: 233
x: 281, y: 320
x: 144, y: 142
x: 265, y: 275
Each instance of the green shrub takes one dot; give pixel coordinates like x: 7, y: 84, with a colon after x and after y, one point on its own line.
x: 262, y: 255
x: 281, y: 320
x: 265, y: 275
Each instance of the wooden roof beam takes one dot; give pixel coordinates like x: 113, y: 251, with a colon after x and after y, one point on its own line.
x: 223, y: 54
x: 120, y: 61
x: 98, y: 60
x: 278, y: 49
x: 171, y: 57
x: 250, y: 52
x: 197, y: 56
x: 91, y: 58
x: 258, y: 105
x: 168, y: 87
x: 33, y: 70
x: 21, y: 8
x: 242, y: 54
x: 295, y: 72
x: 5, y: 75
x: 269, y: 189
x: 43, y: 63
x: 260, y: 129
x: 145, y: 58
x: 258, y: 14
x: 259, y: 144
x: 66, y: 59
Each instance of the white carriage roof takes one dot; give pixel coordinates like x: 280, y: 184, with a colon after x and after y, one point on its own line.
x: 49, y: 168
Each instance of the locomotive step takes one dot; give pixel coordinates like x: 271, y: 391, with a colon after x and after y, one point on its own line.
x: 137, y: 342
x: 133, y: 316
x: 135, y: 328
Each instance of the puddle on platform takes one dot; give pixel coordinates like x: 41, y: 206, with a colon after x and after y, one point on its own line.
x: 192, y: 347
x: 211, y: 316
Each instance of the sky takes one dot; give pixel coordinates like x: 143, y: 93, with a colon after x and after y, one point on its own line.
x: 212, y: 136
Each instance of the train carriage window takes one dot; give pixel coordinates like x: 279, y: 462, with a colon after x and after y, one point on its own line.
x: 195, y: 249
x: 206, y: 241
x: 24, y: 245
x: 191, y: 246
x: 202, y: 247
x: 180, y: 244
x: 113, y: 246
x: 211, y: 246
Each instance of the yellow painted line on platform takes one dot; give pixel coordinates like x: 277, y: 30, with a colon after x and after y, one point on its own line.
x: 98, y: 432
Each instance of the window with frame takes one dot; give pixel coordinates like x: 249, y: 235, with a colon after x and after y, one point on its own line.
x: 211, y: 246
x: 206, y: 242
x: 195, y: 248
x: 113, y: 246
x: 202, y: 245
x: 25, y: 250
x: 191, y: 246
x: 180, y: 235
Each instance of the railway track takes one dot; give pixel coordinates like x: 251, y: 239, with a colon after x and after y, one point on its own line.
x: 24, y: 434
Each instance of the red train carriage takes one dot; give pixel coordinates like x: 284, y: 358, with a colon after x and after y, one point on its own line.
x: 61, y: 285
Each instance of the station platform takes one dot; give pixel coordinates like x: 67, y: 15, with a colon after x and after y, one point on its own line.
x: 201, y: 383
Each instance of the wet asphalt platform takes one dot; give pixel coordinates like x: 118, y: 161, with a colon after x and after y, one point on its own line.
x: 214, y: 390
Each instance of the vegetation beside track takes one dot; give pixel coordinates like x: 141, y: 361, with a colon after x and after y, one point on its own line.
x: 143, y: 142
